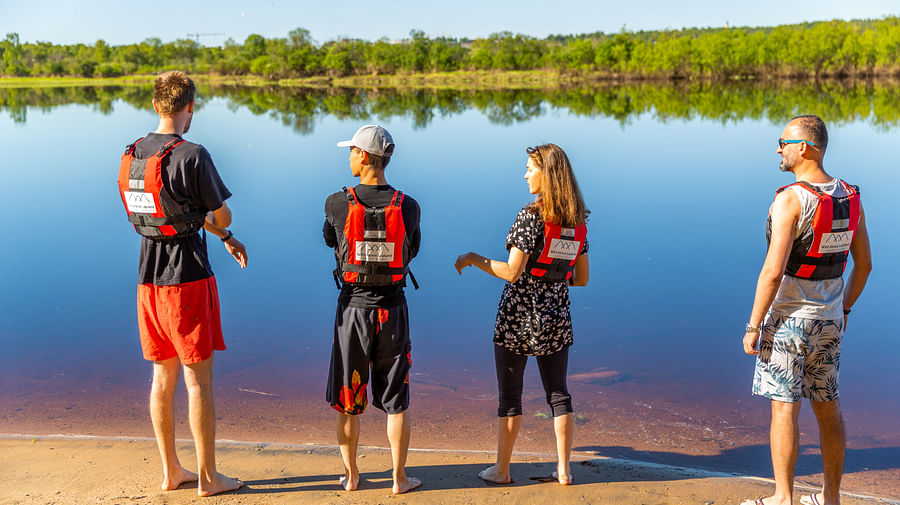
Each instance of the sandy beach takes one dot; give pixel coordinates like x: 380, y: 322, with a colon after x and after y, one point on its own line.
x: 75, y: 470
x: 623, y: 420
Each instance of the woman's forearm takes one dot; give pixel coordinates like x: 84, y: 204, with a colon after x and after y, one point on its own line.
x: 509, y: 271
x: 499, y: 269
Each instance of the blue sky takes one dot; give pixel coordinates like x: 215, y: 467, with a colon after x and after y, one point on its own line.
x: 126, y: 21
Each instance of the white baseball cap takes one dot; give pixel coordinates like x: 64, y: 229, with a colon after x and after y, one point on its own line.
x: 372, y: 139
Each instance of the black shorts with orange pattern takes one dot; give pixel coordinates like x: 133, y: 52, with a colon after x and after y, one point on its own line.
x: 364, y: 338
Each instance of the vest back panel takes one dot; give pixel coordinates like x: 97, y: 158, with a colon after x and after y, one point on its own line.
x: 821, y: 250
x: 373, y: 250
x: 555, y: 257
x: 150, y: 207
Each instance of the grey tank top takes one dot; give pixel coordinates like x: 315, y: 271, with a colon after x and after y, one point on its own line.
x: 803, y: 297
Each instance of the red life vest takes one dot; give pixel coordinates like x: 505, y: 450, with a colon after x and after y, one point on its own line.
x: 820, y: 252
x: 554, y: 259
x: 373, y: 250
x: 150, y: 207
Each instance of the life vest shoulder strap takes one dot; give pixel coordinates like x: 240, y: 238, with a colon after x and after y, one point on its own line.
x: 396, y: 200
x: 850, y: 188
x: 168, y: 147
x: 129, y: 149
x: 803, y: 184
x: 163, y: 151
x: 351, y: 196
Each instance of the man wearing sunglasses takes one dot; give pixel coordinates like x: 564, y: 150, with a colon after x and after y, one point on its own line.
x: 801, y: 306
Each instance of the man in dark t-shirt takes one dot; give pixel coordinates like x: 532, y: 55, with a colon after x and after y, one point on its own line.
x: 178, y: 302
x: 374, y: 230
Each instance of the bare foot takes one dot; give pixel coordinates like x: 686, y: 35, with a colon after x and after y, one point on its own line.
x: 565, y: 479
x: 492, y: 476
x: 408, y: 485
x: 220, y: 484
x: 348, y: 483
x: 180, y: 476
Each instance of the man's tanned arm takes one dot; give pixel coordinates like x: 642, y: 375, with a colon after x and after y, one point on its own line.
x: 216, y: 223
x: 785, y: 213
x: 862, y: 264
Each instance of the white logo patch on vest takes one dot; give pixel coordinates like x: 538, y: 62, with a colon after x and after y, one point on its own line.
x: 561, y: 249
x: 375, y: 251
x: 139, y: 202
x: 835, y: 242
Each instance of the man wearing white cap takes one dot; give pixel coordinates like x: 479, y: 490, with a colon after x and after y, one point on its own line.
x: 374, y: 230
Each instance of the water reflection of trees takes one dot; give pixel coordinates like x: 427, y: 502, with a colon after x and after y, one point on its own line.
x: 837, y: 102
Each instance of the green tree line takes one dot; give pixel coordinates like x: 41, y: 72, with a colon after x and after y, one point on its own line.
x: 299, y: 108
x: 821, y: 49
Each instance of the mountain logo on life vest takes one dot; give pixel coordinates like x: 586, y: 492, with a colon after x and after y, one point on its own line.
x: 564, y: 249
x: 835, y: 242
x: 375, y: 251
x: 139, y: 202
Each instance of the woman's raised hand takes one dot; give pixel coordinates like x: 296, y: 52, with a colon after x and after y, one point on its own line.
x: 463, y: 261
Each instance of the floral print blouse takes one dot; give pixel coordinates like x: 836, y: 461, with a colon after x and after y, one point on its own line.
x: 533, y: 316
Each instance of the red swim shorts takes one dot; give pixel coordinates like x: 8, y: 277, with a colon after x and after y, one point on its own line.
x: 181, y: 320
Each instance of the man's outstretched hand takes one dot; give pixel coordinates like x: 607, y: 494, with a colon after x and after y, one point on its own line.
x: 237, y: 250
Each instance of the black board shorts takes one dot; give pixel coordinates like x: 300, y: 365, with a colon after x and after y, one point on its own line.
x: 364, y: 338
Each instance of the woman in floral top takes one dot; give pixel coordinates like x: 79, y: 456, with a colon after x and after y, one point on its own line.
x: 533, y: 317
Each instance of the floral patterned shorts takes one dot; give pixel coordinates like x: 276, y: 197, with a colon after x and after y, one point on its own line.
x: 798, y: 358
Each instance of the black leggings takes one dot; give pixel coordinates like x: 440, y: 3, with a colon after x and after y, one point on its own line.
x: 511, y: 369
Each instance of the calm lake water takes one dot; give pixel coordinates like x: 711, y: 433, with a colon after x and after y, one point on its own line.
x: 678, y: 180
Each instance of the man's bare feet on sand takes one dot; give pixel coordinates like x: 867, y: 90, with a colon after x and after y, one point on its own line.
x: 348, y: 483
x: 220, y: 484
x: 491, y: 476
x: 179, y: 477
x: 408, y: 485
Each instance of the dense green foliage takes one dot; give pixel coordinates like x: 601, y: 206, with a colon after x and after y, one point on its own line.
x: 299, y: 108
x: 829, y: 48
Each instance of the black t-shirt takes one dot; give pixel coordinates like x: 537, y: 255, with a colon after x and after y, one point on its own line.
x: 190, y: 176
x: 336, y: 206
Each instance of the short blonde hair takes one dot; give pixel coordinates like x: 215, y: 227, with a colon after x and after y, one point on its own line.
x: 173, y: 91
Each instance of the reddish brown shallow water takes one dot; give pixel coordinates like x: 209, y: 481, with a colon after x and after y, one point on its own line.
x: 617, y: 416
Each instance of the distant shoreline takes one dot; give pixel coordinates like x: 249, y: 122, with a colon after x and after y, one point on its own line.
x: 487, y: 79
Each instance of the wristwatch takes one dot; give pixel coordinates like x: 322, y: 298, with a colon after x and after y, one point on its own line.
x: 751, y: 329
